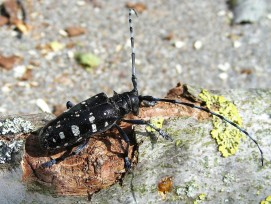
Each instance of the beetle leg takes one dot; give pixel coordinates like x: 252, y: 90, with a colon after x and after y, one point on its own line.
x: 69, y: 104
x: 65, y: 155
x: 49, y: 163
x: 148, y: 103
x: 142, y: 122
x: 127, y: 163
x: 80, y: 147
x: 57, y: 160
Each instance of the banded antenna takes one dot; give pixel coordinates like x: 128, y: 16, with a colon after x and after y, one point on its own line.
x: 134, y: 79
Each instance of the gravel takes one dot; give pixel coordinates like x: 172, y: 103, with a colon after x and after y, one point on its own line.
x: 206, y: 51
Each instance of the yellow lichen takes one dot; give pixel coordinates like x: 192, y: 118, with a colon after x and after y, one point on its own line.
x: 200, y: 198
x: 267, y: 200
x: 157, y: 122
x: 227, y: 136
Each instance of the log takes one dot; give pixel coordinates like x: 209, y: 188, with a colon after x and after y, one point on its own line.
x: 189, y: 169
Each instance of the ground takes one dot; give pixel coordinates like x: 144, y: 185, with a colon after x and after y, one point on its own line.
x: 192, y: 42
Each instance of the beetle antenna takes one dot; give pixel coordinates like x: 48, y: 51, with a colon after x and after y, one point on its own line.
x: 134, y: 79
x: 152, y: 99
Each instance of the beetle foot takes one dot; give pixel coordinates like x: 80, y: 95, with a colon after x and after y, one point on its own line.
x: 127, y: 163
x: 165, y: 135
x: 48, y: 164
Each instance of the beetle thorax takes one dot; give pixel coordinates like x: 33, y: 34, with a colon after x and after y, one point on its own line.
x: 127, y: 102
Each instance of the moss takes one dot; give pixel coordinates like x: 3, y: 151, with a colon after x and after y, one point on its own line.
x: 36, y: 186
x: 141, y: 189
x: 227, y: 136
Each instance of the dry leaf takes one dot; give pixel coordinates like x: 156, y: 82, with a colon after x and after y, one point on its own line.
x: 75, y: 31
x: 139, y: 7
x: 27, y: 75
x: 11, y: 8
x: 3, y: 20
x: 10, y: 15
x: 8, y: 62
x: 246, y: 71
x: 168, y: 37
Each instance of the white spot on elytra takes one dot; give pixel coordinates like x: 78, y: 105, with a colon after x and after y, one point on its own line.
x: 91, y: 119
x: 83, y: 102
x: 54, y: 140
x: 61, y: 135
x: 94, y: 128
x: 106, y: 124
x: 105, y: 113
x: 96, y: 96
x: 91, y: 113
x: 75, y: 130
x: 66, y: 144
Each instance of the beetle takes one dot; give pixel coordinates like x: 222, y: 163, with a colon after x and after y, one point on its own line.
x: 100, y: 113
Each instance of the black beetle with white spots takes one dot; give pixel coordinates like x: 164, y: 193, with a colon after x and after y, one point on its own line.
x: 100, y: 113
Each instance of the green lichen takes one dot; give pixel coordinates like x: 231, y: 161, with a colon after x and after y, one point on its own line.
x: 227, y: 137
x: 191, y: 188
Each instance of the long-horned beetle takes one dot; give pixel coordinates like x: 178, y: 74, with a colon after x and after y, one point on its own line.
x: 100, y: 113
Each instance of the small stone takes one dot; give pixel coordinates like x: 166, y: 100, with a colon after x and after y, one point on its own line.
x: 224, y: 67
x: 43, y: 105
x: 179, y: 44
x: 236, y: 44
x: 197, y: 45
x: 223, y: 76
x: 179, y: 68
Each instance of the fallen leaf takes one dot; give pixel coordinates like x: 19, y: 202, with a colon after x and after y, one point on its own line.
x: 168, y: 37
x: 8, y: 62
x: 11, y: 8
x: 139, y: 7
x: 75, y: 31
x: 246, y: 71
x: 21, y: 26
x: 9, y: 12
x: 87, y: 60
x: 56, y: 46
x: 3, y: 20
x: 27, y: 75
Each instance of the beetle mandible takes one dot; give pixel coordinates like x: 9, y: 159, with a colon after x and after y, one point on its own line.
x: 100, y: 113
